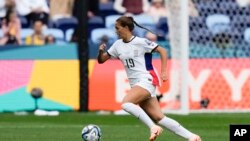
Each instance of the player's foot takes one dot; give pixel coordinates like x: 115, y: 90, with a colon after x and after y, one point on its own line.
x: 155, y: 131
x: 195, y: 138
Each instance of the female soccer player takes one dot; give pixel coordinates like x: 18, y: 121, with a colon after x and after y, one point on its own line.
x: 136, y: 56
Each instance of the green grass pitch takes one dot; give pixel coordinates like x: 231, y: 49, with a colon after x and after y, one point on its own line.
x: 68, y: 126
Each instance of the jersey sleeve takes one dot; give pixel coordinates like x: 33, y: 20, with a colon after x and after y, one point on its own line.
x: 149, y: 46
x: 112, y: 51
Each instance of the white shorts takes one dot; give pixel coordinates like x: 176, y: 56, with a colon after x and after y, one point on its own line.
x: 146, y: 84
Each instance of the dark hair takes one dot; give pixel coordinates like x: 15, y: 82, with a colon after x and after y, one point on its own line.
x: 7, y: 16
x: 33, y: 22
x: 130, y: 22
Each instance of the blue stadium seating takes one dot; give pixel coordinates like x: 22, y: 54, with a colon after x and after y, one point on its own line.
x: 95, y: 22
x: 68, y: 34
x: 57, y: 33
x: 107, y: 9
x: 146, y: 21
x: 110, y: 21
x: 218, y: 23
x: 98, y: 33
x: 66, y: 23
x: 247, y: 35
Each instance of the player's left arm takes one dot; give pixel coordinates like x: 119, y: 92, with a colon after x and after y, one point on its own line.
x: 163, y: 53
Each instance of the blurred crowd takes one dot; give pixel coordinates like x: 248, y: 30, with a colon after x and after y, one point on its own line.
x: 40, y: 15
x: 19, y: 17
x: 36, y: 15
x: 39, y: 22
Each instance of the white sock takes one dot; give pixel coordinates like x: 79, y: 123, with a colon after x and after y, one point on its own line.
x: 138, y: 113
x: 175, y: 127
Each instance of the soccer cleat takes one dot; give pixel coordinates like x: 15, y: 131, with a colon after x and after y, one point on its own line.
x: 155, y: 131
x: 195, y: 138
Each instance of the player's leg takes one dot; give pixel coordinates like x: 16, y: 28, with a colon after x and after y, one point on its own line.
x: 152, y: 108
x: 135, y: 96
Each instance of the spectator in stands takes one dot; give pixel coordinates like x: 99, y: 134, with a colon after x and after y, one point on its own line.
x: 33, y: 10
x: 131, y: 6
x: 37, y: 38
x: 61, y: 9
x: 50, y: 39
x: 93, y: 8
x: 4, y: 6
x: 157, y: 10
x: 243, y: 3
x: 193, y: 12
x: 11, y: 27
x: 104, y: 1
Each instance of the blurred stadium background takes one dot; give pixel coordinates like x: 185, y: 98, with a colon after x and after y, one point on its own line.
x: 208, y: 44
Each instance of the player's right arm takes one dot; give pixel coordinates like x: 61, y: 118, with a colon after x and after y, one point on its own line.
x: 103, y: 56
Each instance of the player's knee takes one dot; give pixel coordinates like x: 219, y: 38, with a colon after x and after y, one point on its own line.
x: 125, y: 101
x: 158, y: 118
x: 128, y: 99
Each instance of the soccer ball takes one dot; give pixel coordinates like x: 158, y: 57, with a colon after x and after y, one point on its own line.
x: 91, y: 133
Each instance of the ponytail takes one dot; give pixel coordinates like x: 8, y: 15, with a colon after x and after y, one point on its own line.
x: 140, y: 26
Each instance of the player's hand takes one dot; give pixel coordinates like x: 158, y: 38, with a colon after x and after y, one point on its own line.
x: 102, y: 47
x: 164, y: 77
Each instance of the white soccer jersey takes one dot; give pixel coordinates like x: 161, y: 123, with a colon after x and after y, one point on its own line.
x: 136, y: 56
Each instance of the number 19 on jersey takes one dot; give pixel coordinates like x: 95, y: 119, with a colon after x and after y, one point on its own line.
x: 130, y: 63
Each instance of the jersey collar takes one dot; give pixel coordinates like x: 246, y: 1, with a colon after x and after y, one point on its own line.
x: 131, y: 39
